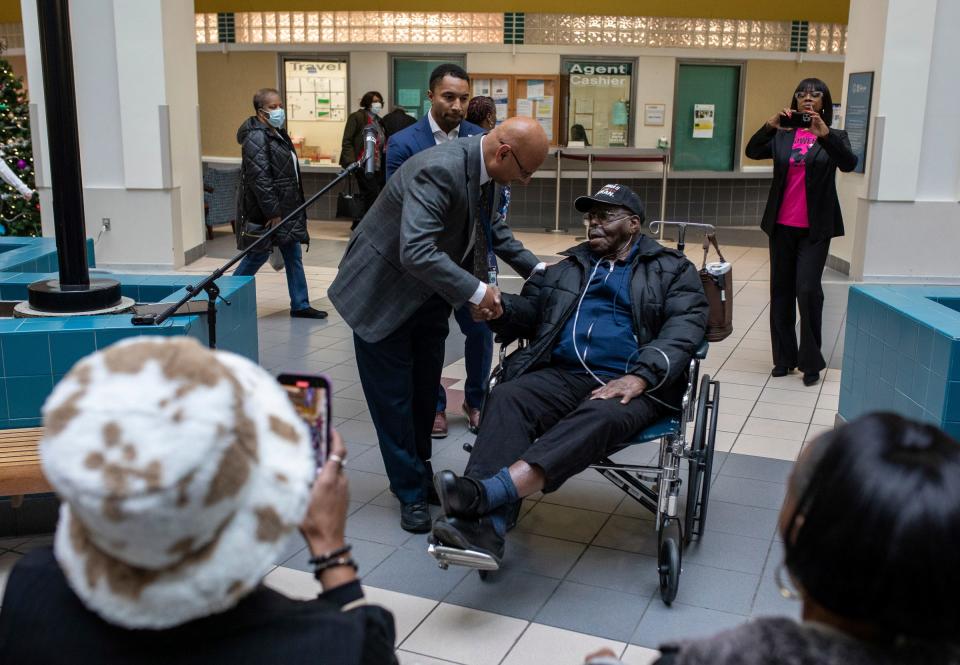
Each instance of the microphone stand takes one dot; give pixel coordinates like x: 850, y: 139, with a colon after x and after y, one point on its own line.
x: 208, y: 284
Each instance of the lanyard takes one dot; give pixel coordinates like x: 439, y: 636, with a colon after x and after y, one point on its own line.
x: 485, y: 219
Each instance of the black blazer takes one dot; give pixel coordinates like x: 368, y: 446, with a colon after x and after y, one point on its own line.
x: 828, y: 154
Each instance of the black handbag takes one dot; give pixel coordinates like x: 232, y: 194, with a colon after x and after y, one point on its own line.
x: 717, y: 283
x: 349, y: 205
x: 247, y: 232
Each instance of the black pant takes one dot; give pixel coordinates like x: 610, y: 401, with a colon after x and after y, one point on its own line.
x: 368, y: 189
x: 399, y: 375
x: 545, y: 419
x: 796, y: 268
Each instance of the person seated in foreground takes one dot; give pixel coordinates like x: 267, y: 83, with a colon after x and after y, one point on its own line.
x: 870, y: 528
x: 182, y: 472
x: 613, y: 327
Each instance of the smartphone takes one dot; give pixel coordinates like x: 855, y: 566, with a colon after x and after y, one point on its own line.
x: 311, y: 395
x: 796, y: 119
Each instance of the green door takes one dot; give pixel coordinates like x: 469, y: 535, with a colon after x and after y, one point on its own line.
x: 699, y: 87
x: 411, y: 80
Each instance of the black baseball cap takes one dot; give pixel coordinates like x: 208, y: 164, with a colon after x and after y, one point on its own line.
x: 618, y: 195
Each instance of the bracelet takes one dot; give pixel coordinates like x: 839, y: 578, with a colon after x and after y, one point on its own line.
x: 323, y: 558
x: 333, y: 563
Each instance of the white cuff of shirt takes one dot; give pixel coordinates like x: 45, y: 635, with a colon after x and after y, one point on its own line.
x: 478, y: 295
x: 540, y: 267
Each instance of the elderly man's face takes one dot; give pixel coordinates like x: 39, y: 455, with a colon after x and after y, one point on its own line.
x: 610, y: 228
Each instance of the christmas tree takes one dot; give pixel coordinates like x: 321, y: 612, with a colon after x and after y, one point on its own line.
x: 19, y: 215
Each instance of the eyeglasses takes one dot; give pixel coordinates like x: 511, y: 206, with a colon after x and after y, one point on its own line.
x: 524, y: 174
x: 603, y: 218
x: 814, y: 94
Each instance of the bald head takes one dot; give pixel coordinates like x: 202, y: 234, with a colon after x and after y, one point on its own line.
x: 515, y: 149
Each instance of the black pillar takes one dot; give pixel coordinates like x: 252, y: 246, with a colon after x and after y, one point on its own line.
x: 73, y: 292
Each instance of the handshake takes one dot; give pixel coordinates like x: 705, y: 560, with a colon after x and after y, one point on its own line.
x: 491, y: 307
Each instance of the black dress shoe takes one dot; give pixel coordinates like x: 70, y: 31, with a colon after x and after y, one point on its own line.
x: 415, y: 517
x: 780, y: 370
x: 458, y: 495
x: 811, y: 378
x: 308, y: 313
x: 469, y: 534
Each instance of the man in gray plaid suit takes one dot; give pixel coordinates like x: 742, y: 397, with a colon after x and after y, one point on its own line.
x: 427, y: 244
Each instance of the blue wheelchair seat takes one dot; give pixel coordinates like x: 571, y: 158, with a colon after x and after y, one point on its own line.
x: 661, y: 428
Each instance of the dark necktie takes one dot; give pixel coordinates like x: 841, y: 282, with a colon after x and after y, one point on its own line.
x: 480, y: 248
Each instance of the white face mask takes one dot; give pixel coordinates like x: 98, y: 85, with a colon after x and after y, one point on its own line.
x: 375, y: 108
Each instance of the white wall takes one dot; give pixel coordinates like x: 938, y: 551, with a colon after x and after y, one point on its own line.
x: 903, y: 221
x: 183, y: 154
x: 939, y: 178
x: 867, y: 24
x: 136, y: 89
x: 368, y: 70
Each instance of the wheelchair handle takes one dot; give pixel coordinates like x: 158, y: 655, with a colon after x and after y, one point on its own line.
x: 657, y: 225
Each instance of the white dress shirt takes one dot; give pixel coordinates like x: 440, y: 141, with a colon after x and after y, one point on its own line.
x: 439, y: 135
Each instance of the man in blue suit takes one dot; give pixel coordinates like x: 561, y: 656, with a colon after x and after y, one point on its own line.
x: 449, y: 95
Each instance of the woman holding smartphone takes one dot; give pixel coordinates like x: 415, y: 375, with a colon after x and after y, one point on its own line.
x: 801, y: 217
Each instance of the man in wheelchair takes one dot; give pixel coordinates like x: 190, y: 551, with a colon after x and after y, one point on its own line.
x: 612, y: 329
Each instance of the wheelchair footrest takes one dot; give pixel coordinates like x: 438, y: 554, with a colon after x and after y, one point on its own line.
x: 447, y: 556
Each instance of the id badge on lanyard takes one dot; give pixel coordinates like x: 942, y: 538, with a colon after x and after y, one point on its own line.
x: 492, y: 269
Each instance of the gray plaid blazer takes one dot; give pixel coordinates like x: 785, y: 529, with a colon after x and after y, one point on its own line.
x: 412, y: 242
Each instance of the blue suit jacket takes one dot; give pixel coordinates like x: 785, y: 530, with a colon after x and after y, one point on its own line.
x: 418, y: 137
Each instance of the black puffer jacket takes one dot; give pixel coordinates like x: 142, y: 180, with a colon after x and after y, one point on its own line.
x: 269, y: 186
x: 669, y: 314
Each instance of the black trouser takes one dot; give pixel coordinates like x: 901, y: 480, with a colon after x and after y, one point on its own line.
x: 546, y: 419
x: 399, y: 375
x: 796, y: 268
x: 369, y: 188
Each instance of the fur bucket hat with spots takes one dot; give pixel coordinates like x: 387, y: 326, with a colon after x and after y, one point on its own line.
x: 181, y: 473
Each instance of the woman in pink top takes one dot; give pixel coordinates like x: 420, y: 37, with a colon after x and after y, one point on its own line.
x: 801, y: 217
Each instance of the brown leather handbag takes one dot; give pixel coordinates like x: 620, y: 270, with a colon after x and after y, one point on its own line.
x: 718, y: 286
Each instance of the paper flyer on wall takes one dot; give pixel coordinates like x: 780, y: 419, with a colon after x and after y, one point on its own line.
x: 481, y: 88
x: 535, y: 89
x: 585, y: 120
x: 502, y: 111
x: 301, y: 106
x: 545, y: 108
x: 584, y: 105
x: 703, y: 121
x: 499, y: 89
x: 525, y: 108
x: 547, y: 125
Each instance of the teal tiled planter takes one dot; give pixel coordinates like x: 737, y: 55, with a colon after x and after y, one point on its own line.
x: 36, y: 353
x: 902, y: 353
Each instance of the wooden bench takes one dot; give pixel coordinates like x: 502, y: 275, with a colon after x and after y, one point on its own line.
x: 20, y: 471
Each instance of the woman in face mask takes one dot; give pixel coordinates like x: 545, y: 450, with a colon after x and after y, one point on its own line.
x: 270, y: 190
x: 353, y: 149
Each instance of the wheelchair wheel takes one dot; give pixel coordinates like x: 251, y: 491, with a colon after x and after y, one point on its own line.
x: 698, y: 477
x: 668, y: 564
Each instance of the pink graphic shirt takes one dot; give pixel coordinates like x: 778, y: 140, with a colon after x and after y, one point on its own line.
x: 793, y: 207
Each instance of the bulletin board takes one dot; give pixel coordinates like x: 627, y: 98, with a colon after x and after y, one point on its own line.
x: 316, y: 97
x: 532, y: 95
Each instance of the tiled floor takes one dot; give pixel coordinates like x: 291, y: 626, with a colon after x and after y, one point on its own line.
x: 580, y: 571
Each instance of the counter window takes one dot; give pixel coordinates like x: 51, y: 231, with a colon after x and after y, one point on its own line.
x: 598, y: 109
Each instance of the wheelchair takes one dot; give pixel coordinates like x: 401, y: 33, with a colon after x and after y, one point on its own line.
x: 656, y: 487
